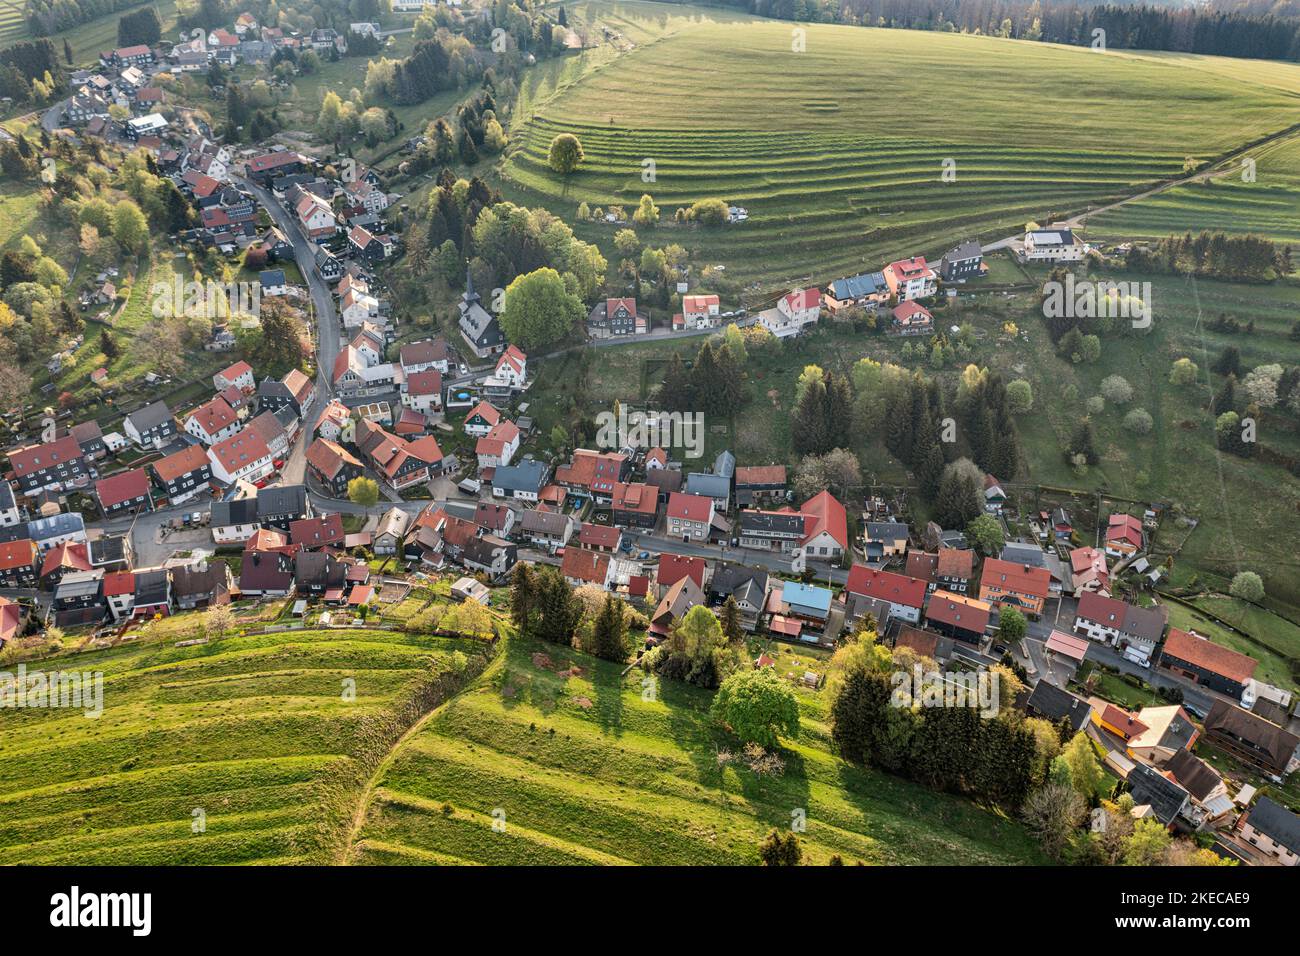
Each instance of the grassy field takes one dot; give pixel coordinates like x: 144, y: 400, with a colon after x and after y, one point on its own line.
x: 582, y: 770
x: 801, y: 138
x: 251, y: 731
x: 1269, y: 206
x: 86, y: 39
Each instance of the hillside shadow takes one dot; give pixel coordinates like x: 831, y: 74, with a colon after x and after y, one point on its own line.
x: 608, y: 682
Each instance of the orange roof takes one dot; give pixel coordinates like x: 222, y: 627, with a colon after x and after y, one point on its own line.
x: 1205, y: 654
x: 486, y: 411
x: 1020, y: 578
x: 213, y: 416
x: 240, y: 450
x: 1122, y: 721
x: 585, y: 565
x: 637, y: 497
x: 822, y: 513
x: 17, y: 554
x: 69, y: 556
x: 189, y: 459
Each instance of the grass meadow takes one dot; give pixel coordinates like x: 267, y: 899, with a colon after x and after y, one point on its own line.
x: 252, y: 731
x: 584, y: 770
x: 837, y: 151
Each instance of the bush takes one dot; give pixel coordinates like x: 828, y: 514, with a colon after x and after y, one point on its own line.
x: 1139, y: 421
x: 1248, y: 586
x: 1117, y: 390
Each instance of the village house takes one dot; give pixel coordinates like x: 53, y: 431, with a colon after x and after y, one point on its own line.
x: 962, y: 262
x: 1134, y: 631
x: 523, y: 481
x: 958, y: 616
x: 612, y: 317
x: 1054, y: 244
x: 58, y: 464
x: 242, y: 456
x: 911, y: 318
x: 318, y: 532
x: 278, y: 507
x: 1169, y: 730
x: 868, y: 291
x: 771, y: 530
x: 583, y: 566
x: 1208, y: 664
x: 19, y: 563
x: 333, y: 466
x: 240, y: 375
x: 1021, y: 586
x: 905, y: 596
x: 424, y: 355
x: 701, y: 311
x: 1053, y: 704
x: 151, y: 427
x: 758, y: 484
x: 826, y: 534
x: 595, y: 473
x: 885, y: 539
x: 422, y: 391
x: 690, y: 516
x: 793, y: 313
x: 1253, y: 740
x: 910, y: 279
x: 674, y: 601
x: 212, y: 421
x: 370, y: 246
x: 479, y: 327
x: 234, y: 521
x: 315, y: 216
x: 206, y: 587
x: 747, y: 586
x: 390, y: 531
x: 1273, y: 830
x: 498, y: 446
x: 634, y: 505
x: 295, y: 391
x: 954, y: 569
x: 125, y: 492
x: 1125, y: 536
x: 183, y: 474
x: 671, y: 568
x: 490, y: 555
x: 398, y: 462
x: 1088, y: 571
x: 547, y: 529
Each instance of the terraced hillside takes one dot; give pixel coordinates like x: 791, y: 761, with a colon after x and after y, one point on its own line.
x: 838, y: 151
x: 1268, y: 206
x: 253, y: 732
x: 582, y: 770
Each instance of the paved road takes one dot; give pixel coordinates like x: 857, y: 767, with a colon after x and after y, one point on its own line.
x: 327, y: 326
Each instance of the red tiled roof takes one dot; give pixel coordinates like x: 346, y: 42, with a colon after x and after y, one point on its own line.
x: 260, y: 164
x: 18, y: 554
x: 213, y: 416
x: 955, y: 610
x: 823, y: 513
x: 318, y: 531
x: 123, y: 487
x: 327, y: 457
x: 1209, y: 656
x: 486, y: 411
x: 635, y: 497
x: 68, y: 556
x: 955, y: 562
x: 599, y: 535
x: 674, y: 567
x: 240, y: 450
x: 886, y: 585
x: 427, y: 382
x: 1020, y: 578
x: 585, y: 565
x: 189, y: 459
x: 35, y: 457
x: 689, y: 507
x: 760, y: 475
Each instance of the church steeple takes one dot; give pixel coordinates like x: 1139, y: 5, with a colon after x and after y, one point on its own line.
x: 470, y: 295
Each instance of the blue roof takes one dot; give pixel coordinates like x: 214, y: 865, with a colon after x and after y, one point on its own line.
x: 802, y: 595
x: 854, y: 287
x: 272, y: 277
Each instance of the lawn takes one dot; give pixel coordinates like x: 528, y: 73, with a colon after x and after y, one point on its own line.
x: 581, y: 769
x: 797, y: 137
x: 252, y: 735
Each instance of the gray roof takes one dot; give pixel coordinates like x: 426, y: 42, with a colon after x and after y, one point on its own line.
x: 1150, y: 786
x: 107, y: 549
x: 78, y: 584
x: 527, y: 475
x: 725, y: 464
x: 239, y: 511
x: 66, y: 522
x: 970, y: 249
x: 1147, y: 623
x: 1054, y: 703
x: 1020, y: 553
x: 1277, y: 822
x: 854, y: 287
x: 739, y: 581
x: 717, y: 487
x: 151, y: 416
x: 886, y: 530
x: 480, y: 325
x: 6, y: 496
x: 282, y: 499
x: 771, y: 522
x: 151, y: 586
x: 548, y: 522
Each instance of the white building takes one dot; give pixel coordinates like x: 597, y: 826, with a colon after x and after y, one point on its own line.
x: 793, y: 313
x: 1055, y: 244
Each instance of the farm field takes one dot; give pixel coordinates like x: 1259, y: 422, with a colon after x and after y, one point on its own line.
x: 1269, y: 206
x: 584, y: 771
x: 252, y: 731
x: 829, y: 188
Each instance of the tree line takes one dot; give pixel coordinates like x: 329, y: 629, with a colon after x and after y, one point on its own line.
x: 1138, y: 26
x: 1213, y: 255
